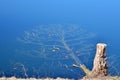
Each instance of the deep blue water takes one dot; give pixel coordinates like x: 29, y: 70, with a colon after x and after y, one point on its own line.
x: 101, y: 17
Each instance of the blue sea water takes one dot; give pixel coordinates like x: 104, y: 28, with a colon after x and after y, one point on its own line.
x: 100, y: 17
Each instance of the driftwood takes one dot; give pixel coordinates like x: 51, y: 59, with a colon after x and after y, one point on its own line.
x: 99, y: 66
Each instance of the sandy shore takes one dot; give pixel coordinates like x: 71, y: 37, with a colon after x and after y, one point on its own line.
x: 13, y: 78
x: 102, y: 78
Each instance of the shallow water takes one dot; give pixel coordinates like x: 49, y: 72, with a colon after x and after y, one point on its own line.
x: 18, y: 58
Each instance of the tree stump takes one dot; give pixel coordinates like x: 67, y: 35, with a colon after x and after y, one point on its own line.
x: 100, y: 64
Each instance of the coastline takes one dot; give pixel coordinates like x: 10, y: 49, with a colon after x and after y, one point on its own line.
x: 99, y: 78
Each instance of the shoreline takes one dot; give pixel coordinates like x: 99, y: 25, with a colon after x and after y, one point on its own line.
x: 58, y: 78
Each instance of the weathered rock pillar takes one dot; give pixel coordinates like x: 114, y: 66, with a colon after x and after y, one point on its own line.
x: 100, y: 65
